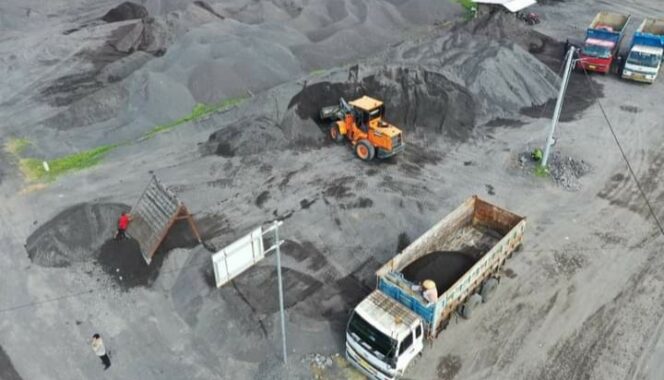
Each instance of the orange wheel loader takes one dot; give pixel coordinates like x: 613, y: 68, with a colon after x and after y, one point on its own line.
x: 361, y: 122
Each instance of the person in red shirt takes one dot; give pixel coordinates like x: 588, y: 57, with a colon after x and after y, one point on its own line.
x: 123, y: 223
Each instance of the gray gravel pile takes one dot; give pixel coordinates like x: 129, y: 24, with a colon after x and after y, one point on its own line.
x: 567, y: 171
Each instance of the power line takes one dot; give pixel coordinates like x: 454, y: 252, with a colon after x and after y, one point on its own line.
x: 197, y: 263
x: 624, y: 156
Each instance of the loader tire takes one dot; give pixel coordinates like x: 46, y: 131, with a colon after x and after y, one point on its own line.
x: 470, y: 305
x: 488, y: 289
x: 364, y: 150
x: 335, y: 134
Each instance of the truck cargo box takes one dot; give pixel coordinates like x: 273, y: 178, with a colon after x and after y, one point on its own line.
x: 475, y: 239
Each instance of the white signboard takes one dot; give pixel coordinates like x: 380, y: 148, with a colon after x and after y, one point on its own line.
x: 238, y: 257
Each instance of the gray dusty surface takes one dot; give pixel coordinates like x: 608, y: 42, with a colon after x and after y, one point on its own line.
x: 583, y: 299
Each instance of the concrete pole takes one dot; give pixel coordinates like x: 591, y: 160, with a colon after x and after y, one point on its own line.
x: 281, y: 292
x: 559, y: 105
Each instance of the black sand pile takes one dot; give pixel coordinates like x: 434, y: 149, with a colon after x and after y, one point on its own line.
x: 123, y: 262
x: 85, y: 232
x: 74, y: 235
x: 125, y: 11
x: 414, y: 98
x: 507, y: 27
x: 442, y: 267
x: 259, y: 287
x: 7, y: 371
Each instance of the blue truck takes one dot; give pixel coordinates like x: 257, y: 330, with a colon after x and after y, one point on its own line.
x: 645, y: 54
x: 387, y: 329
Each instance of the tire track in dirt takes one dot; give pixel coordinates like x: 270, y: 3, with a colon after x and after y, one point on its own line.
x: 614, y: 335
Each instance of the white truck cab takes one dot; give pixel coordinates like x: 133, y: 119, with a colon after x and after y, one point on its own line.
x: 643, y: 63
x: 383, y: 337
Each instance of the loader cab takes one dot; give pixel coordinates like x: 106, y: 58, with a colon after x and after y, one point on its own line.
x: 370, y: 111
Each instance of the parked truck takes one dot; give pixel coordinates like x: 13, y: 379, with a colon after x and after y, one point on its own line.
x: 645, y: 54
x: 602, y: 42
x: 387, y: 329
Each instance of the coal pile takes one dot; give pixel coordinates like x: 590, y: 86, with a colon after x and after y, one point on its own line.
x: 74, y: 235
x: 442, y: 267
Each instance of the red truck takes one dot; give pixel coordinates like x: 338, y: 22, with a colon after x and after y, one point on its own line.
x: 602, y: 42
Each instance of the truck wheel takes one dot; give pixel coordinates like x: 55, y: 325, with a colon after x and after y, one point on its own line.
x: 335, y: 134
x: 470, y: 305
x: 364, y: 150
x: 488, y: 288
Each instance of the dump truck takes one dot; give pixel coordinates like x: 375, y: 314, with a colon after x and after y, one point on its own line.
x: 362, y: 122
x: 602, y: 42
x: 463, y: 254
x: 645, y: 54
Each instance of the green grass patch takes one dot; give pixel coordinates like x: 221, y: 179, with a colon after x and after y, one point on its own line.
x: 199, y: 111
x: 16, y: 146
x: 541, y: 171
x: 468, y: 6
x: 33, y: 169
x: 317, y: 73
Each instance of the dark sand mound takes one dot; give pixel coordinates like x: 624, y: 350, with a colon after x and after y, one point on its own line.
x: 125, y: 11
x: 259, y: 287
x: 503, y: 26
x: 414, y: 99
x: 7, y: 371
x: 248, y: 136
x: 123, y: 262
x: 74, y: 235
x: 443, y: 268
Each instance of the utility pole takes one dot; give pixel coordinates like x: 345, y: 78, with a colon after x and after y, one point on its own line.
x: 277, y: 244
x: 559, y: 105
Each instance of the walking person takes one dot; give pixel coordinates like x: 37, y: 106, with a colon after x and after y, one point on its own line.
x: 123, y: 223
x: 100, y: 350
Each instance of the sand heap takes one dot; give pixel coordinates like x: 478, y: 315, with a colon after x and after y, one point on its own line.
x: 482, y: 57
x: 74, y: 235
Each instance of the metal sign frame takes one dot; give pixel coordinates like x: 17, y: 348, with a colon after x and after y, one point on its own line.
x: 237, y: 257
x: 250, y: 244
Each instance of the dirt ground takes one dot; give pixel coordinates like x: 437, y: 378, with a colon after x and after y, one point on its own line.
x: 582, y: 300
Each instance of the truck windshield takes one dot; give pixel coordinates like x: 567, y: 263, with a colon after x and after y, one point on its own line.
x: 596, y: 51
x: 643, y: 59
x: 367, y: 334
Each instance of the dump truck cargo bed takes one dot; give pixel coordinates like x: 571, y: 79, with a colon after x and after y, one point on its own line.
x: 477, y: 237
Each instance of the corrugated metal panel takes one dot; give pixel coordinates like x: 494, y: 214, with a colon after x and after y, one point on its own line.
x: 152, y: 216
x: 238, y: 257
